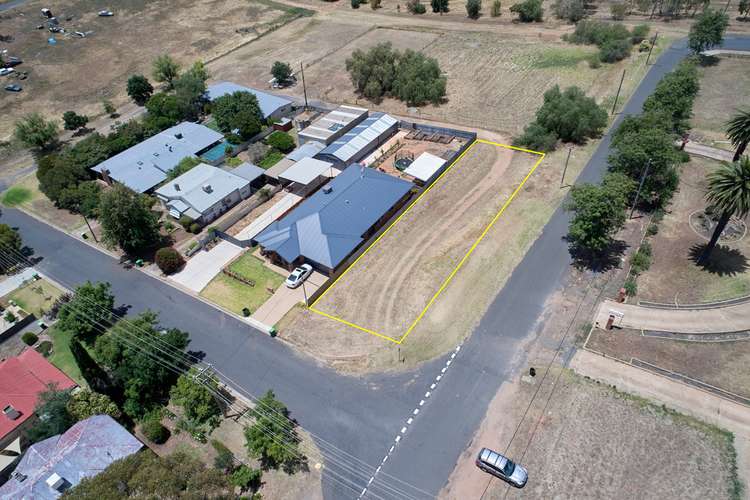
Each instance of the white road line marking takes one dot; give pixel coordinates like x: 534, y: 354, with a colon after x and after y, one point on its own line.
x: 408, y: 422
x: 433, y: 386
x: 438, y: 378
x: 421, y: 403
x: 448, y: 363
x: 403, y: 430
x: 398, y: 438
x: 416, y: 411
x: 427, y: 394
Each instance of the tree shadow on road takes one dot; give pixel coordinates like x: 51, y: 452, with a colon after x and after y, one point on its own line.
x: 603, y: 261
x: 724, y: 261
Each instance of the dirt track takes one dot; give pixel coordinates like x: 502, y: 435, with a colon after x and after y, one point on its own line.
x: 393, y: 282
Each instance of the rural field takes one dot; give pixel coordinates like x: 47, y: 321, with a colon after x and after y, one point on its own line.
x: 78, y: 73
x: 597, y: 442
x: 723, y: 87
x: 393, y: 282
x: 457, y: 311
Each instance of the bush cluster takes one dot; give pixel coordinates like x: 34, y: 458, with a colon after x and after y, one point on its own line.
x: 152, y: 427
x: 169, y: 260
x: 281, y: 141
x: 567, y: 115
x: 407, y: 76
x: 415, y: 7
x: 613, y: 39
x: 29, y: 338
x: 529, y: 11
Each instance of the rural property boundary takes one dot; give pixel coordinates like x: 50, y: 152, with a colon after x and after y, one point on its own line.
x: 463, y: 260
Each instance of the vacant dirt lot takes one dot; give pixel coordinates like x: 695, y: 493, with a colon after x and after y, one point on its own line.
x: 78, y: 73
x: 723, y: 90
x: 596, y: 442
x: 393, y: 282
x: 674, y: 276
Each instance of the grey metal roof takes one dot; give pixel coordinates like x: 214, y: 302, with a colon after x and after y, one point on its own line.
x: 306, y: 170
x: 248, y: 171
x: 279, y: 168
x: 202, y: 187
x: 333, y: 124
x: 425, y: 166
x: 307, y: 150
x: 268, y: 103
x: 82, y: 451
x: 361, y: 137
x: 328, y: 226
x: 146, y: 164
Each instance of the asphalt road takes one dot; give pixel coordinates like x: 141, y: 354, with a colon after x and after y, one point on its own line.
x: 360, y: 415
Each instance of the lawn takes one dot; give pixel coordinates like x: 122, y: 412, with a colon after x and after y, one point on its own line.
x: 15, y: 196
x: 36, y: 297
x: 271, y: 159
x: 234, y: 295
x: 62, y: 357
x: 27, y: 196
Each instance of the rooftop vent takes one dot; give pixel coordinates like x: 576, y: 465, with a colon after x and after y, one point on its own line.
x: 11, y: 412
x: 140, y: 162
x: 176, y: 187
x: 156, y: 154
x: 178, y: 135
x: 207, y: 188
x: 56, y: 482
x: 19, y: 477
x: 328, y: 189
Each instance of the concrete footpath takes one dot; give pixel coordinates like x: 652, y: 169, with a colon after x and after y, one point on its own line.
x: 710, y: 408
x: 731, y: 318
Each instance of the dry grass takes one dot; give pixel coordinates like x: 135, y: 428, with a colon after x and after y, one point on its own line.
x: 35, y: 202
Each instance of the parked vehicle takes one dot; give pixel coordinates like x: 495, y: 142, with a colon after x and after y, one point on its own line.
x: 14, y: 87
x: 106, y: 13
x: 13, y: 61
x: 502, y: 467
x: 299, y: 275
x: 6, y: 71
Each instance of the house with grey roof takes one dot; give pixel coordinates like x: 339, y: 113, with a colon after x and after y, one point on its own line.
x: 145, y: 165
x: 361, y: 140
x: 271, y: 106
x: 204, y: 192
x: 51, y: 467
x: 327, y: 227
x: 332, y: 125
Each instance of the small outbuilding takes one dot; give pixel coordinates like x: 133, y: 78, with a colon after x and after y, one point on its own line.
x: 361, y: 140
x: 271, y: 106
x: 425, y: 168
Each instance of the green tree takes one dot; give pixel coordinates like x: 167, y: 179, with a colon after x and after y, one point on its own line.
x: 127, y: 221
x: 152, y: 427
x: 238, y: 111
x: 37, y: 133
x: 190, y: 94
x: 529, y: 11
x: 674, y: 95
x: 183, y: 166
x: 109, y: 108
x: 570, y: 10
x: 418, y: 79
x: 496, y: 9
x: 281, y: 141
x: 599, y: 214
x: 139, y: 89
x: 97, y: 379
x: 708, y: 30
x: 169, y: 260
x: 281, y: 71
x: 10, y: 245
x: 374, y: 71
x: 192, y: 393
x: 440, y: 6
x: 473, y: 8
x: 738, y: 131
x: 81, y: 199
x: 164, y: 109
x: 224, y: 459
x: 165, y: 69
x: 133, y: 352
x: 571, y: 115
x: 537, y: 138
x: 199, y: 70
x: 146, y: 475
x: 273, y: 438
x: 52, y: 410
x: 246, y: 478
x: 87, y: 403
x: 74, y: 121
x: 89, y: 312
x: 618, y: 10
x: 728, y: 193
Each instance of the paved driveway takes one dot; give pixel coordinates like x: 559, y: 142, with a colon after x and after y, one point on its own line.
x: 202, y: 268
x: 285, y: 298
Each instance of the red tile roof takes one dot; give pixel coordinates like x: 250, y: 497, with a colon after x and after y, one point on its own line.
x: 22, y: 379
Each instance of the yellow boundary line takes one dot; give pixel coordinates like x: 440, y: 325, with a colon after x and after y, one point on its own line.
x: 463, y: 259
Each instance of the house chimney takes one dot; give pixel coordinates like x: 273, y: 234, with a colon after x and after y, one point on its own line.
x: 11, y: 412
x: 207, y: 188
x: 328, y: 189
x: 56, y: 482
x: 176, y: 187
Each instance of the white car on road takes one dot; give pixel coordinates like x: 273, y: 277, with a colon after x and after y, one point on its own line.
x: 299, y: 275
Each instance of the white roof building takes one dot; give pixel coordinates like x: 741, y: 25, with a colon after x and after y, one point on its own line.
x: 307, y: 170
x: 425, y: 167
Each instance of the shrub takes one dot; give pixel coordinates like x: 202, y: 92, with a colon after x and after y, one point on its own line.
x: 652, y: 229
x: 572, y: 10
x: 594, y: 62
x: 415, y: 7
x: 29, y: 338
x: 186, y: 222
x: 153, y: 429
x: 10, y: 317
x: 645, y: 248
x: 640, y: 262
x: 74, y: 121
x: 224, y: 459
x: 246, y: 478
x: 639, y: 33
x: 571, y: 115
x: 281, y: 141
x: 355, y: 4
x: 195, y: 228
x: 473, y: 8
x: 375, y: 4
x: 614, y: 50
x: 44, y: 348
x: 528, y: 11
x: 618, y: 10
x: 631, y: 287
x: 169, y: 260
x: 537, y: 138
x: 496, y: 9
x: 597, y: 33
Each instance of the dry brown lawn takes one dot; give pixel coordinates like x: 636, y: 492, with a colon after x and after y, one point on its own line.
x: 77, y: 74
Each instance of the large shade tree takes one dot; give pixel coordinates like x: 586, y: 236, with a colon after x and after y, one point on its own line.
x: 738, y: 131
x: 729, y: 194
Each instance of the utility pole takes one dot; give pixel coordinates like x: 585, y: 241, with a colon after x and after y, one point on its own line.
x: 565, y: 168
x: 617, y: 96
x: 90, y: 230
x: 304, y: 87
x: 726, y: 7
x: 653, y: 42
x: 640, y: 186
x: 304, y: 292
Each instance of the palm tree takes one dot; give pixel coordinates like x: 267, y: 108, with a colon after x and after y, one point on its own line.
x: 728, y: 192
x: 738, y: 130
